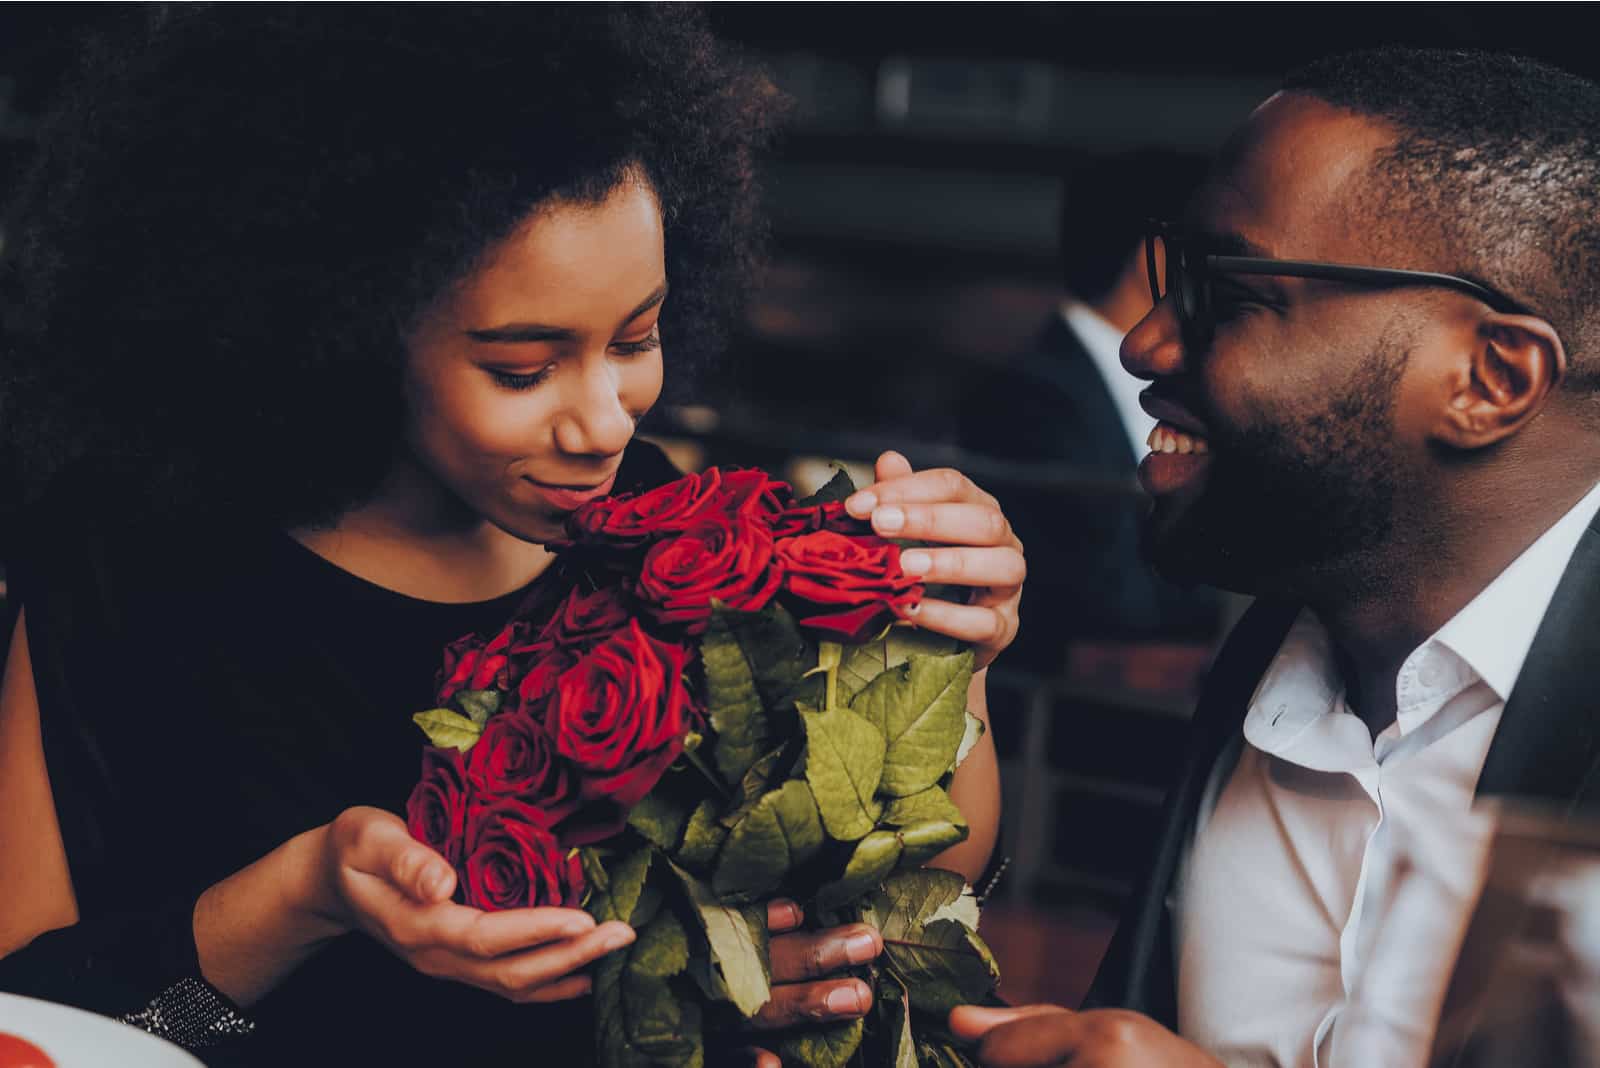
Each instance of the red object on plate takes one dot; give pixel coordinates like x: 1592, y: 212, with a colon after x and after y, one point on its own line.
x: 20, y: 1053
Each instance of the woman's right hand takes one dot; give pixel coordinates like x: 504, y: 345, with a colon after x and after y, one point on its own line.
x: 380, y: 880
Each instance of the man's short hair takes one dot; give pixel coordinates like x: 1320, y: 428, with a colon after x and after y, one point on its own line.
x: 1495, y: 175
x: 1105, y: 203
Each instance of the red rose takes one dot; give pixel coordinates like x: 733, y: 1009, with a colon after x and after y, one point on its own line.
x: 723, y: 558
x: 436, y: 810
x: 470, y: 663
x: 850, y: 585
x: 753, y: 494
x: 585, y: 618
x: 514, y: 860
x: 796, y: 520
x: 514, y: 757
x: 630, y: 519
x: 540, y: 681
x: 620, y: 714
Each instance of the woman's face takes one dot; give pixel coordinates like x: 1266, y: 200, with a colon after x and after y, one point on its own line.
x: 525, y: 381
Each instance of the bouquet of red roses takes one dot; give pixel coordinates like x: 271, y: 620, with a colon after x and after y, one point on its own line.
x: 719, y: 706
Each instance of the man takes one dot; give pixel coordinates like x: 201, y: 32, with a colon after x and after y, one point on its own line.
x: 1404, y: 470
x: 1069, y: 402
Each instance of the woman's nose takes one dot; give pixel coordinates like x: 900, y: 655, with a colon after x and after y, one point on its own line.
x: 594, y: 420
x: 1154, y: 347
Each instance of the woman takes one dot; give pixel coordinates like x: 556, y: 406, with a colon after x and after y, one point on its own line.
x: 363, y: 305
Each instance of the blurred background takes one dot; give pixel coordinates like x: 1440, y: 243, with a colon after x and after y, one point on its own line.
x: 956, y: 208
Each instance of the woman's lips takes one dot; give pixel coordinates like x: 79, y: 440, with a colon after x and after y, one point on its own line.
x: 1178, y: 457
x: 571, y: 498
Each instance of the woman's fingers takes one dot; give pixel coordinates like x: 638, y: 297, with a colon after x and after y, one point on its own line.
x: 988, y: 626
x: 376, y: 842
x: 923, y: 487
x: 575, y: 986
x: 961, y: 523
x: 964, y: 566
x: 797, y: 1003
x: 812, y: 954
x: 522, y: 976
x: 487, y: 935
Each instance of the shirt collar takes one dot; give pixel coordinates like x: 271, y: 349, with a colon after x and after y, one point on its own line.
x: 1495, y: 630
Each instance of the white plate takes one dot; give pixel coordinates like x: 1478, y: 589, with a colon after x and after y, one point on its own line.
x: 77, y: 1039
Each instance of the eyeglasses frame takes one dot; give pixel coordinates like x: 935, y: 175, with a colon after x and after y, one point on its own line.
x: 1191, y: 306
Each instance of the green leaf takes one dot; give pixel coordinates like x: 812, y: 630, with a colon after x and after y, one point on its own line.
x: 907, y: 900
x: 873, y: 858
x: 906, y: 641
x: 610, y: 1018
x: 844, y: 762
x: 735, y: 949
x: 448, y: 730
x: 774, y: 649
x: 781, y: 832
x: 702, y: 838
x: 823, y: 1047
x: 964, y: 910
x: 896, y: 1014
x: 478, y: 705
x: 659, y: 1023
x: 626, y: 875
x: 732, y: 701
x: 930, y: 804
x: 943, y: 1055
x: 660, y: 818
x: 969, y: 740
x: 594, y: 872
x: 920, y: 709
x: 757, y: 782
x: 945, y: 965
x: 924, y: 841
x: 836, y: 488
x: 661, y: 949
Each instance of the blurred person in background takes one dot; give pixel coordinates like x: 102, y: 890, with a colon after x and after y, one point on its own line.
x: 1068, y: 402
x: 1382, y: 316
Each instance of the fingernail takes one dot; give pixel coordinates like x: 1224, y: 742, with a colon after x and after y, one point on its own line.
x: 792, y: 916
x: 889, y: 518
x: 844, y: 1001
x: 915, y: 562
x: 861, y: 504
x: 576, y: 928
x: 860, y: 948
x: 618, y: 939
x: 433, y: 882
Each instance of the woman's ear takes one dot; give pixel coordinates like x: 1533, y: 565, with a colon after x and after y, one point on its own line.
x: 1515, y: 363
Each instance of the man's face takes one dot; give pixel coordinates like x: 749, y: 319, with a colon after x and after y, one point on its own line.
x: 1285, y: 443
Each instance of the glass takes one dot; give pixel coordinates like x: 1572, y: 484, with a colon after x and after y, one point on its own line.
x: 1190, y: 267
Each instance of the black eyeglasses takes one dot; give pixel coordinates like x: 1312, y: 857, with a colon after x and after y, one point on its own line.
x: 1190, y: 269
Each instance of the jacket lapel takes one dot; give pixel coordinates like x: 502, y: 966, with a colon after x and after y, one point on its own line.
x: 1549, y: 734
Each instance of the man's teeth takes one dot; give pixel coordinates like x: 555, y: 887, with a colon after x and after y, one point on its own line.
x: 1168, y: 438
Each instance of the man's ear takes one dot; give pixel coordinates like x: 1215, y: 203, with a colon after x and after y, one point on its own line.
x: 1515, y: 363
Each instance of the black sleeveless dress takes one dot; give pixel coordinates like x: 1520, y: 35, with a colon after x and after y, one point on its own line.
x: 205, y: 695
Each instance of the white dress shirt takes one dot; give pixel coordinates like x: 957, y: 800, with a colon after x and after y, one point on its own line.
x: 1104, y: 344
x: 1285, y: 885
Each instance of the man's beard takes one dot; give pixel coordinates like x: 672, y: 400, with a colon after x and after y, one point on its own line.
x: 1287, y: 503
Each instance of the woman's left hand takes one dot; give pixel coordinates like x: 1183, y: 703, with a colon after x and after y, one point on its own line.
x: 943, y: 506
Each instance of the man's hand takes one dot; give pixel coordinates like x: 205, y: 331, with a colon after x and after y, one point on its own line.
x: 806, y: 988
x: 1040, y: 1035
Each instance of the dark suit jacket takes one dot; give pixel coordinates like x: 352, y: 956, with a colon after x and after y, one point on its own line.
x: 1547, y: 748
x: 1086, y: 576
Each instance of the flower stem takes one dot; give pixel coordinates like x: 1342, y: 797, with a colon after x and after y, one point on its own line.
x: 829, y: 655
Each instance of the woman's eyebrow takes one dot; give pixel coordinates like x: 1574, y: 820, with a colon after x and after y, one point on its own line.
x: 522, y: 333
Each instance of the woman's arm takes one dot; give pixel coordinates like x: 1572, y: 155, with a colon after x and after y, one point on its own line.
x: 976, y: 792
x: 363, y: 872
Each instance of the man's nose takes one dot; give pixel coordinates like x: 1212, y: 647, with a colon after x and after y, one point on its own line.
x: 1154, y: 347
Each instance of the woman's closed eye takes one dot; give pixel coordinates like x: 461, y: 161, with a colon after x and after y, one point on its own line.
x: 649, y: 343
x: 521, y: 380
